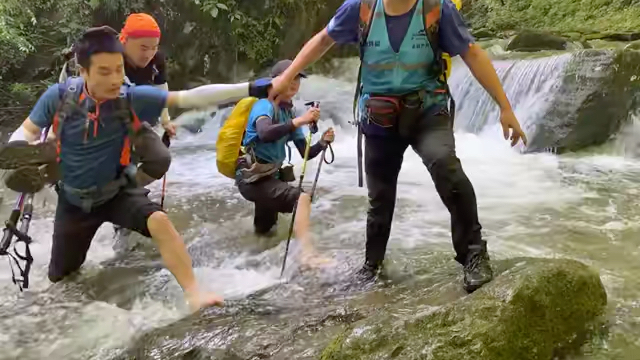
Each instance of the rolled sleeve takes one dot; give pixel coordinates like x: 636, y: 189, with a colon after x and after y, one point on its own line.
x: 343, y: 27
x: 148, y: 102
x: 45, y: 109
x: 454, y: 35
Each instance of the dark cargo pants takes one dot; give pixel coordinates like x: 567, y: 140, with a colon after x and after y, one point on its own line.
x: 270, y: 196
x: 433, y: 141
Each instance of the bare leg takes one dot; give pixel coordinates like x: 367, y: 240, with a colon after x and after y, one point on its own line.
x: 301, y: 227
x: 177, y: 260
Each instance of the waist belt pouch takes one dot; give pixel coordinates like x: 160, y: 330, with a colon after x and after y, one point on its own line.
x: 286, y: 173
x: 87, y: 199
x: 410, y: 114
x: 257, y: 171
x: 383, y: 110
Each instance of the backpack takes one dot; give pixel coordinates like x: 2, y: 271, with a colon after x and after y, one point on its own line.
x: 446, y: 57
x: 229, y: 142
x: 70, y: 96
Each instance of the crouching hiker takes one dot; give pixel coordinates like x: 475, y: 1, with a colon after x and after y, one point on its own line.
x: 265, y: 129
x: 95, y: 117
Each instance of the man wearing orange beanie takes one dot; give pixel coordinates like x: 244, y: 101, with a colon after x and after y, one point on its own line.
x: 145, y: 65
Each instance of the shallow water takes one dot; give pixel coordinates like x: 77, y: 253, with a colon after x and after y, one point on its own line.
x: 577, y: 206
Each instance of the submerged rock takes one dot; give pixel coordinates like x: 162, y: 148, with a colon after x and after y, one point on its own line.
x: 529, y: 40
x: 534, y: 309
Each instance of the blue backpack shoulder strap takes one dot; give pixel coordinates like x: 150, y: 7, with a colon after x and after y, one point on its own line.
x: 367, y: 10
x: 431, y: 13
x: 123, y: 109
x: 69, y: 92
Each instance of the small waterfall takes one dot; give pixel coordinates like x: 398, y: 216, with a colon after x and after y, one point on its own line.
x: 530, y: 85
x: 564, y: 103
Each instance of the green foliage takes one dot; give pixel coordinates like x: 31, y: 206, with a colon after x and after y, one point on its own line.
x: 14, y: 43
x: 584, y: 16
x: 256, y: 28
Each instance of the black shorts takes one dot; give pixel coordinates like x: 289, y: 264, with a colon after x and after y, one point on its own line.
x: 73, y: 229
x: 271, y: 196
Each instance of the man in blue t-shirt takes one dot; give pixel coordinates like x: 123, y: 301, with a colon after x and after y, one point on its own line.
x: 404, y: 102
x: 270, y: 127
x: 94, y: 118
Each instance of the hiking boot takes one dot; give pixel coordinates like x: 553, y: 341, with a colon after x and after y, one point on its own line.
x: 27, y: 179
x: 17, y: 154
x: 477, y: 271
x: 368, y: 272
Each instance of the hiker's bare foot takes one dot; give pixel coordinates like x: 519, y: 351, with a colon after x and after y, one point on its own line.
x: 311, y: 259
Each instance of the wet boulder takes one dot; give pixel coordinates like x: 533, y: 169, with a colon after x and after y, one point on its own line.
x: 593, y: 99
x: 530, y: 40
x: 534, y: 309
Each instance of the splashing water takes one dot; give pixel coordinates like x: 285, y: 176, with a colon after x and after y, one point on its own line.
x: 529, y: 204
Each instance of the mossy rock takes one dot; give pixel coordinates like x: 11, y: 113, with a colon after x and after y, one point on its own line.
x: 635, y: 45
x: 534, y: 309
x: 531, y: 40
x: 574, y: 36
x: 623, y: 36
x: 482, y: 33
x: 614, y: 36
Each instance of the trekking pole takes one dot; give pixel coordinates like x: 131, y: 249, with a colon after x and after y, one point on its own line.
x: 24, y: 207
x: 312, y: 130
x: 324, y: 160
x: 166, y: 140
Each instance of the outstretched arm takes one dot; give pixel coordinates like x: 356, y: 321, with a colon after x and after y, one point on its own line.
x: 310, y: 53
x: 342, y: 29
x: 215, y: 94
x: 455, y: 39
x: 482, y: 69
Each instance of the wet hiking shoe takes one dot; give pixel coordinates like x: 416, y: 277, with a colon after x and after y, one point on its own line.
x: 27, y: 179
x: 368, y: 272
x: 18, y: 154
x: 477, y: 271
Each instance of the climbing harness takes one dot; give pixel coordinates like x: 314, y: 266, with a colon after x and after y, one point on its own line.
x: 24, y: 207
x: 313, y: 128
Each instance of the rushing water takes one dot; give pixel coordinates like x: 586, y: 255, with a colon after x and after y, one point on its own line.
x: 577, y: 206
